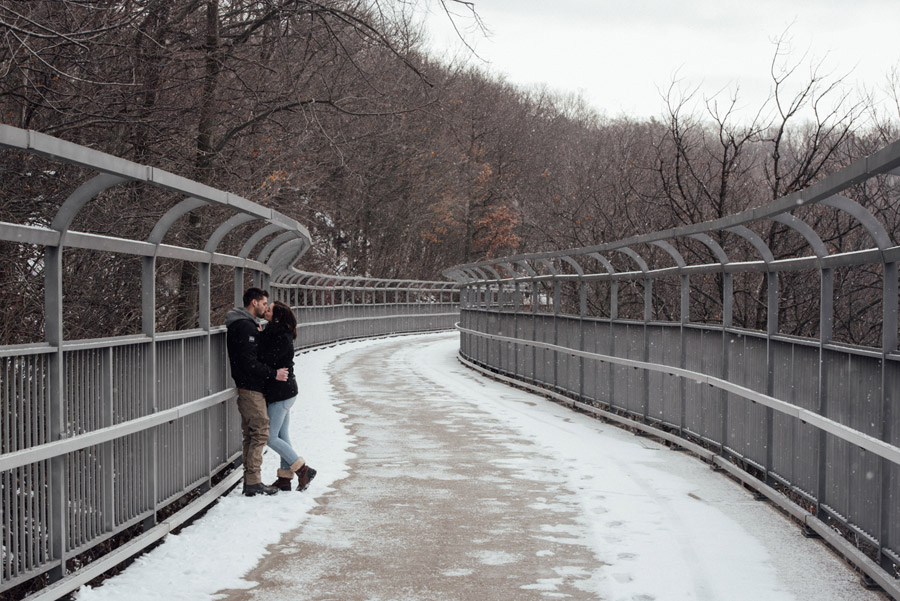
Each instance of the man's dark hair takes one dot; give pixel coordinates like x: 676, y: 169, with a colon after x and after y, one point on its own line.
x: 254, y: 294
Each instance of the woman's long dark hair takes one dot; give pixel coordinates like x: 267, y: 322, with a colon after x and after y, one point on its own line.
x: 283, y: 319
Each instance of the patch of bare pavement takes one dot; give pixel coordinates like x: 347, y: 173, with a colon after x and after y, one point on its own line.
x: 436, y: 505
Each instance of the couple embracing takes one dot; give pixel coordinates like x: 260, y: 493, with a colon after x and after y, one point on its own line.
x: 262, y: 365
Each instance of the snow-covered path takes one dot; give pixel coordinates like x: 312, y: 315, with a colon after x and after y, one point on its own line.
x: 436, y: 483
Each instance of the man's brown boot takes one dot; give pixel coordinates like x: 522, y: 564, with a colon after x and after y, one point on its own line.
x: 282, y: 483
x: 284, y: 479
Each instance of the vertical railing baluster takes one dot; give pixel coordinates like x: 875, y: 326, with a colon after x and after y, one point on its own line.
x: 889, y: 342
x: 683, y: 322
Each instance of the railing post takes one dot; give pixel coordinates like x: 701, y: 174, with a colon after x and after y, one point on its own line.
x: 106, y: 451
x: 556, y: 355
x: 517, y: 305
x: 205, y: 308
x: 53, y: 331
x: 648, y: 315
x: 535, y: 301
x: 582, y: 314
x: 772, y: 330
x: 684, y: 320
x: 727, y: 322
x: 613, y: 316
x: 826, y: 326
x: 148, y: 320
x: 238, y: 286
x: 889, y: 327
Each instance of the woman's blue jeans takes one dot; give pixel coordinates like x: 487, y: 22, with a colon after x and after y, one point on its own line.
x: 279, y: 435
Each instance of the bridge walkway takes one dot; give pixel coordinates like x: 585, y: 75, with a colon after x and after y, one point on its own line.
x: 450, y: 486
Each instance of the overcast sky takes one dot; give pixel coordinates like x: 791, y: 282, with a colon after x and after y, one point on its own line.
x: 621, y: 54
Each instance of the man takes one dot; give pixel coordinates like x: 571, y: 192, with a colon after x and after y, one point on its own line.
x: 250, y: 376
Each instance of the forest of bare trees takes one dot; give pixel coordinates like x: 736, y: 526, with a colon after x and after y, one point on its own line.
x: 400, y: 164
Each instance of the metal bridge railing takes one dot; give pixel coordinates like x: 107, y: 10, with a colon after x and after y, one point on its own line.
x: 107, y: 444
x: 803, y: 414
x: 333, y: 308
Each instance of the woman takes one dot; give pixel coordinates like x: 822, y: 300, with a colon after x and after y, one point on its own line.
x: 276, y: 349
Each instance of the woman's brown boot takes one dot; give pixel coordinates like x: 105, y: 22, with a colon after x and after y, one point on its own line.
x: 306, y: 475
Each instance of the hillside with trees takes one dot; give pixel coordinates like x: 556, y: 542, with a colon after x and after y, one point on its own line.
x: 400, y: 164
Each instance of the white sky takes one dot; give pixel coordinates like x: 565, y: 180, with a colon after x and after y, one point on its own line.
x: 661, y: 524
x: 620, y: 54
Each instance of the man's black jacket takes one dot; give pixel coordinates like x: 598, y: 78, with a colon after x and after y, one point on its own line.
x: 243, y: 337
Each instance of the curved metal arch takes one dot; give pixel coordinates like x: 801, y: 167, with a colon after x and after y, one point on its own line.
x: 672, y: 251
x: 287, y: 254
x: 455, y: 274
x: 290, y: 277
x: 299, y: 277
x: 714, y: 247
x: 877, y: 231
x: 482, y: 275
x: 255, y: 238
x: 527, y: 266
x: 171, y: 216
x: 303, y: 246
x: 550, y: 267
x: 638, y: 259
x: 509, y: 269
x: 578, y: 268
x: 285, y: 278
x: 470, y: 275
x: 803, y: 228
x: 62, y: 221
x: 302, y: 276
x: 226, y: 228
x: 282, y: 279
x: 304, y: 281
x: 603, y: 261
x: 275, y: 243
x: 494, y: 271
x: 354, y: 283
x: 761, y: 247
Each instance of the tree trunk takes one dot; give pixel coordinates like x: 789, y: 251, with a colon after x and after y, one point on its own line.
x: 192, y: 235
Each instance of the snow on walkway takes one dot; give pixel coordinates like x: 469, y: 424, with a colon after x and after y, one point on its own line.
x: 493, y: 492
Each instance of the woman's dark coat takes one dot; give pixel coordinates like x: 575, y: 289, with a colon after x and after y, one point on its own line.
x: 276, y: 349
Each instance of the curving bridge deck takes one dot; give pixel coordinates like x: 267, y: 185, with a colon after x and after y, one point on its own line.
x: 459, y: 487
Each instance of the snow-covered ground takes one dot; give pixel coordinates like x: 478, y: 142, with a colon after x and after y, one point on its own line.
x: 661, y: 524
